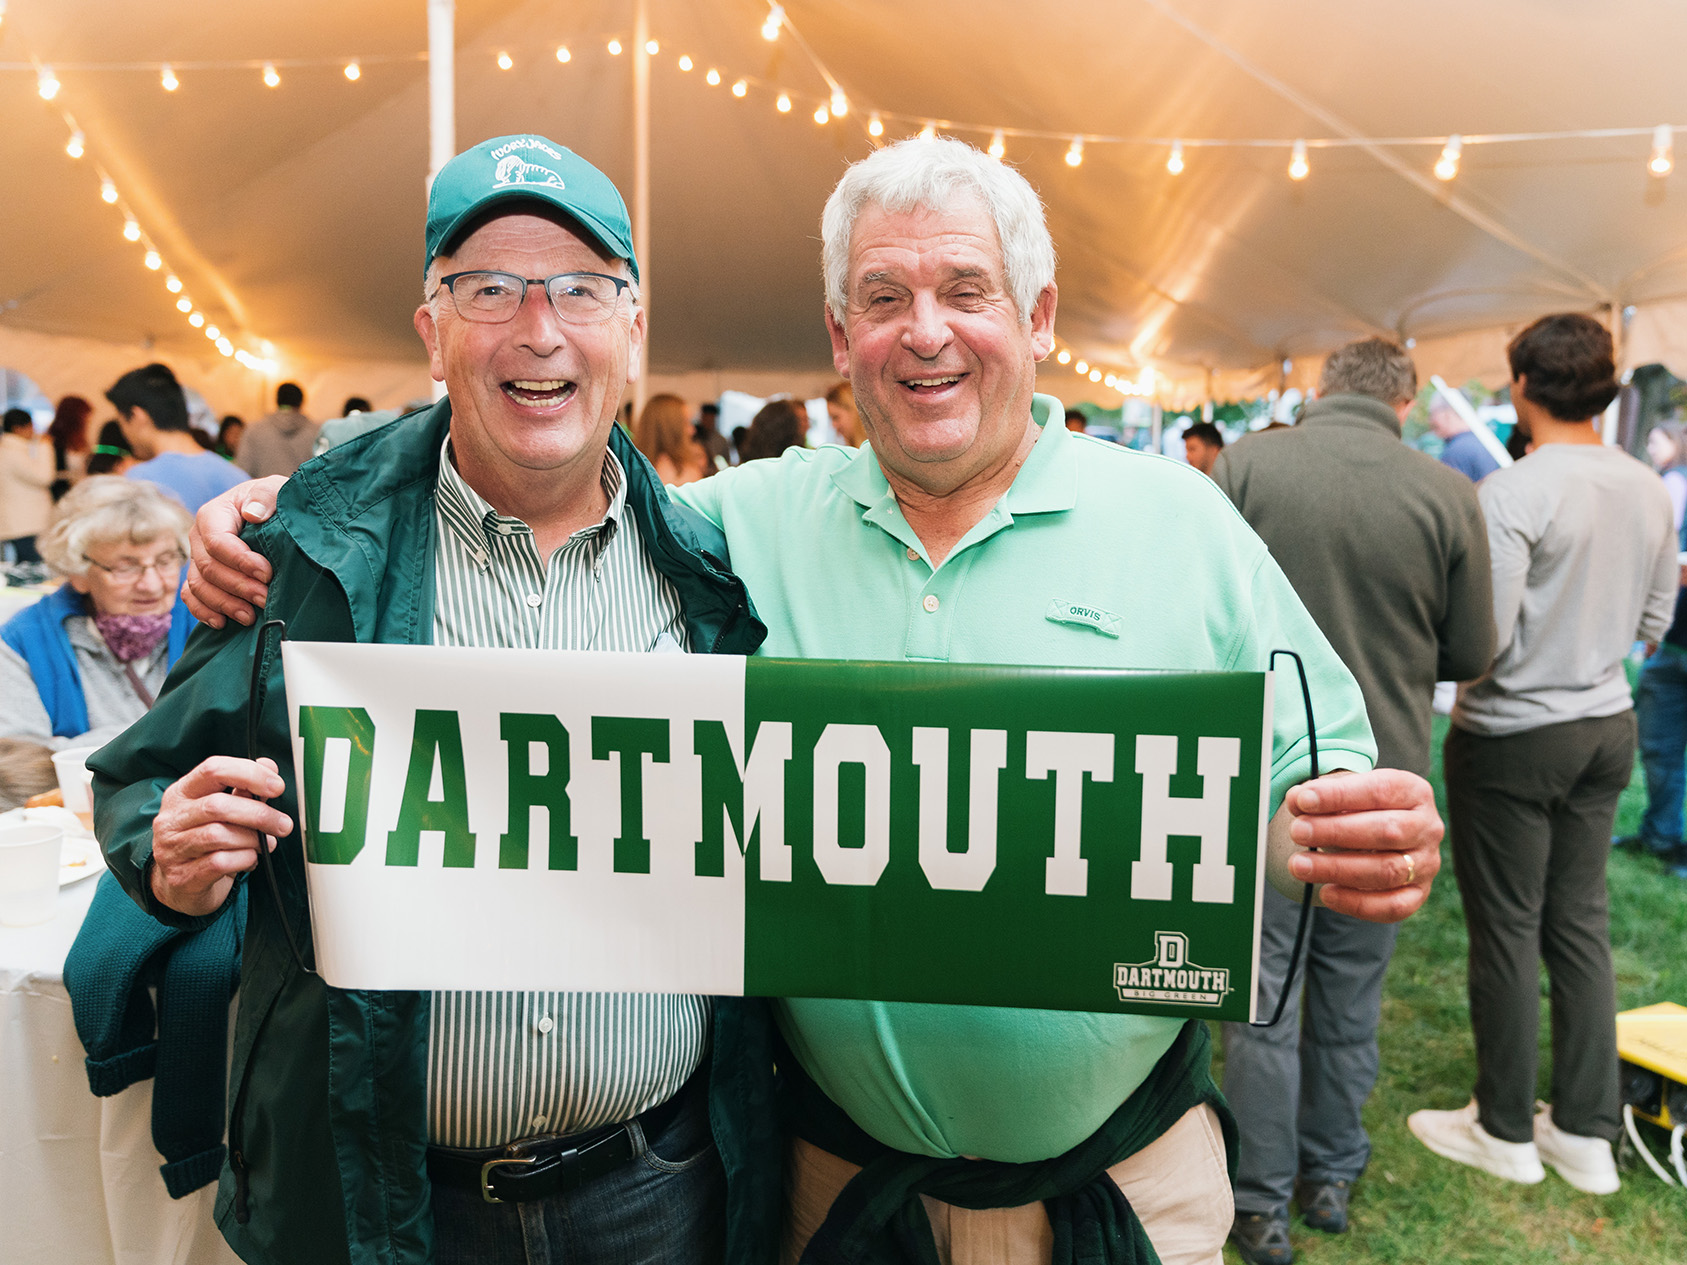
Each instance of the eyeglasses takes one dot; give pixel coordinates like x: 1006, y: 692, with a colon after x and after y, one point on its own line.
x: 578, y: 298
x: 129, y: 572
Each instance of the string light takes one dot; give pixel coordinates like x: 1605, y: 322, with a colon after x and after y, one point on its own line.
x: 108, y: 191
x: 1075, y: 154
x: 167, y: 77
x: 1095, y: 375
x: 563, y: 55
x: 1110, y: 380
x: 131, y: 230
x: 614, y: 48
x: 740, y: 88
x: 1663, y: 150
x: 1447, y: 166
x: 685, y: 63
x: 1081, y: 368
x: 875, y: 125
x: 2, y: 12
x: 46, y: 83
x: 271, y: 79
x: 775, y: 19
x: 196, y: 319
x: 224, y: 346
x: 153, y: 261
x: 652, y: 47
x: 354, y: 72
x: 213, y: 333
x: 822, y: 117
x: 184, y: 304
x: 998, y: 145
x: 840, y: 104
x: 928, y: 132
x: 77, y: 145
x: 712, y: 78
x: 783, y: 105
x: 1298, y: 167
x: 173, y: 284
x: 1064, y: 356
x: 505, y: 61
x: 1174, y: 160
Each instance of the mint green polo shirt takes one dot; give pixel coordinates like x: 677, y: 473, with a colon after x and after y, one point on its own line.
x: 1171, y: 577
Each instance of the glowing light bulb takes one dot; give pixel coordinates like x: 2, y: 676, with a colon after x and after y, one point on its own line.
x: 213, y: 333
x: 154, y: 261
x: 928, y: 132
x: 1095, y: 375
x: 713, y: 77
x: 77, y: 145
x: 562, y: 54
x: 1075, y: 153
x: 614, y: 48
x: 822, y: 117
x: 775, y: 20
x: 271, y: 79
x: 783, y: 105
x: 196, y: 319
x: 740, y: 88
x: 131, y: 231
x: 1174, y: 161
x: 1663, y: 150
x: 224, y: 346
x: 1081, y: 368
x: 998, y: 144
x: 173, y: 283
x: 354, y: 72
x: 1447, y: 166
x: 840, y: 103
x: 505, y: 61
x: 1110, y: 380
x: 184, y: 304
x: 652, y: 47
x: 875, y: 125
x: 108, y: 191
x: 685, y: 63
x: 46, y: 83
x: 1064, y: 356
x: 1298, y: 167
x: 167, y: 78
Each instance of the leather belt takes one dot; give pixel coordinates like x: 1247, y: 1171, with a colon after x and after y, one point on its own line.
x: 537, y: 1168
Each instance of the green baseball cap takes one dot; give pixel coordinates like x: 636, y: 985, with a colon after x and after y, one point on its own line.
x: 526, y: 168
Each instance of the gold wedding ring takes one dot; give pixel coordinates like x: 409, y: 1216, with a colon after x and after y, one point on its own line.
x: 1411, y: 869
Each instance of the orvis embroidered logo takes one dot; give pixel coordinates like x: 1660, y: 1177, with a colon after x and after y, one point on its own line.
x: 514, y: 170
x: 1171, y: 976
x: 1104, y: 622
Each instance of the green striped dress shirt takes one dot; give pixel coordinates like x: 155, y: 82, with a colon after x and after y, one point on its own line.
x: 503, y: 1066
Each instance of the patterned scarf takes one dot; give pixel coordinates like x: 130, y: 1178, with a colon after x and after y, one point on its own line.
x: 133, y: 637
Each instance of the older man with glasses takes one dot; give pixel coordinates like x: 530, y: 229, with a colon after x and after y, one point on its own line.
x: 451, y: 1127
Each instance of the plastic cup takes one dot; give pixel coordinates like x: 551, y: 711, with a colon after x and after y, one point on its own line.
x: 29, y: 874
x: 76, y: 782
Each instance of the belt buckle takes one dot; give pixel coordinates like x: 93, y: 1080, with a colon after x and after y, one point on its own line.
x: 486, y: 1176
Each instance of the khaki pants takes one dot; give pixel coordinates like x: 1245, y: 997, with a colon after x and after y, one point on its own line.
x: 1178, y: 1185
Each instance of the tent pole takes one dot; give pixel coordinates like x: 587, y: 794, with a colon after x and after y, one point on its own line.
x: 641, y: 180
x: 442, y: 98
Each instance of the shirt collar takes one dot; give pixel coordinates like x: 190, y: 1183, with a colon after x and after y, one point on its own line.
x: 470, y: 516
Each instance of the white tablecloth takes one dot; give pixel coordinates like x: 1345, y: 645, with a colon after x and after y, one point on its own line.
x: 79, y: 1181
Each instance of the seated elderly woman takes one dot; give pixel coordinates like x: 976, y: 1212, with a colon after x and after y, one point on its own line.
x: 87, y: 660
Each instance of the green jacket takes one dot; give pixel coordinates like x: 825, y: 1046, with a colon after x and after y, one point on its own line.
x: 328, y: 1121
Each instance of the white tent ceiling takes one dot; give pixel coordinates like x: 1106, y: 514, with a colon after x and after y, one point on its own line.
x: 294, y: 214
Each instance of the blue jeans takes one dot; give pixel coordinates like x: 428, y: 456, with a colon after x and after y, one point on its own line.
x: 1660, y: 708
x: 665, y: 1205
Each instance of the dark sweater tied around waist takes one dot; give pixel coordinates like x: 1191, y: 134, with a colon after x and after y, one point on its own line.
x: 878, y: 1218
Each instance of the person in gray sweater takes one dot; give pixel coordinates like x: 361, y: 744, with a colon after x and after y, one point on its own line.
x: 1387, y: 548
x: 1584, y: 560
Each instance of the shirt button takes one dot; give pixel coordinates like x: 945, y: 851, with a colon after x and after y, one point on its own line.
x: 546, y: 1024
x: 535, y: 599
x: 931, y: 602
x: 913, y: 554
x: 539, y: 1122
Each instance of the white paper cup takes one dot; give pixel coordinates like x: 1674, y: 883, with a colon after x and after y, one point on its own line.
x: 29, y: 874
x: 76, y: 782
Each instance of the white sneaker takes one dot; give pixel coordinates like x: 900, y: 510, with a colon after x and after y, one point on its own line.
x: 1586, y: 1163
x: 1459, y: 1135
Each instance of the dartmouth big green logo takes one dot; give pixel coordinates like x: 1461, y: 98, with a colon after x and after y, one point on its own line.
x: 1044, y: 837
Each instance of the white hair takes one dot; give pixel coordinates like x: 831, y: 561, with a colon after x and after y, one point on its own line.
x: 918, y: 174
x: 108, y: 509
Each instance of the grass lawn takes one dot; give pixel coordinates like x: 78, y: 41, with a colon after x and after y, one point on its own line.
x: 1412, y: 1206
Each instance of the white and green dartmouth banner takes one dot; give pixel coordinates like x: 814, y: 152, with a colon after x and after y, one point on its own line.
x: 511, y: 819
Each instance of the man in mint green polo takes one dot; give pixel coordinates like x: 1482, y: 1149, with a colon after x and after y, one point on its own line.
x: 975, y: 527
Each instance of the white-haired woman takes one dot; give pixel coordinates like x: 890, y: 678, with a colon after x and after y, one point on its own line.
x: 87, y: 660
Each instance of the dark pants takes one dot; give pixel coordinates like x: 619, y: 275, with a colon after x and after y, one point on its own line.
x: 1660, y: 706
x: 1298, y: 1088
x: 1531, y: 818
x: 667, y: 1204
